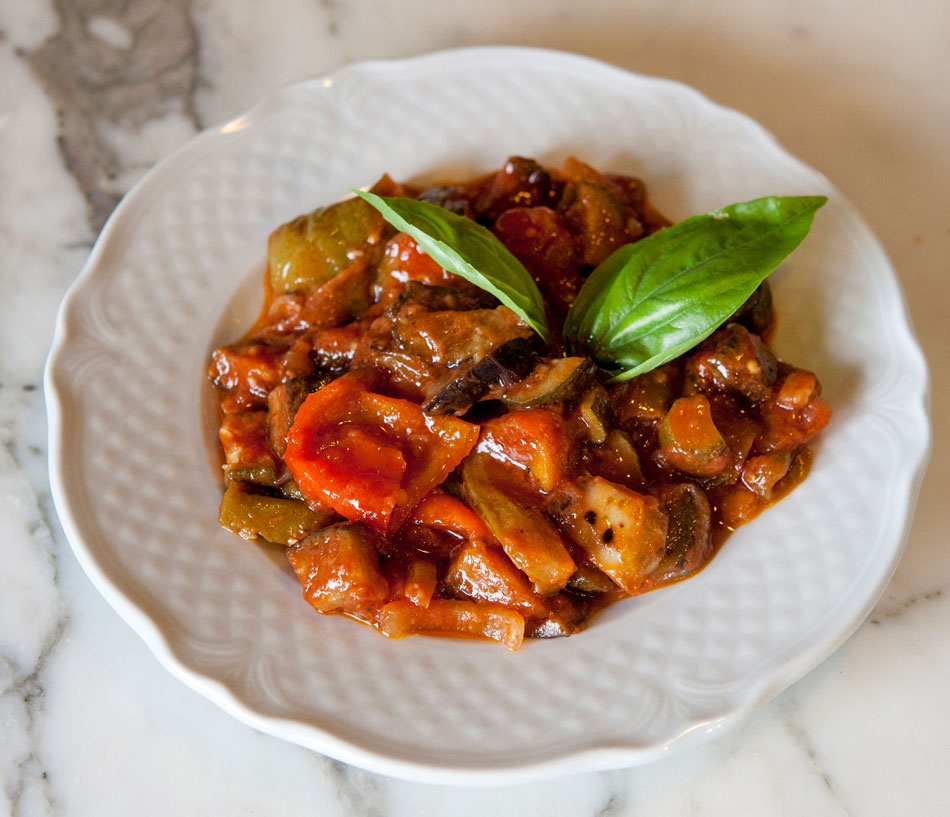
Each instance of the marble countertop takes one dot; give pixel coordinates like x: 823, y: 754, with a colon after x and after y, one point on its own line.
x: 93, y: 93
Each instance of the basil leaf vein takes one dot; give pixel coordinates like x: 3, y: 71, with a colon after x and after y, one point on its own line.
x: 468, y: 249
x: 653, y: 300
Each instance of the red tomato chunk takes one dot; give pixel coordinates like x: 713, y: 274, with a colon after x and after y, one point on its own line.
x: 371, y: 458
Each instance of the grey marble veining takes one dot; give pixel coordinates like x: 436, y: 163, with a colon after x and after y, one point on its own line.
x: 94, y: 92
x: 115, y: 64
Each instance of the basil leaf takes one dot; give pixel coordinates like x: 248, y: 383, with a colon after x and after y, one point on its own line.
x: 466, y: 248
x: 652, y: 300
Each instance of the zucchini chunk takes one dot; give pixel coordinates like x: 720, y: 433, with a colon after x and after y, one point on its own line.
x: 689, y: 439
x: 561, y: 380
x: 688, y: 534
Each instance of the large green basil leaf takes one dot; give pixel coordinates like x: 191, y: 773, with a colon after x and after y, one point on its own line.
x: 653, y: 300
x: 466, y: 248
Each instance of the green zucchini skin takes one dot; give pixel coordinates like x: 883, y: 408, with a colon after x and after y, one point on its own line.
x: 562, y: 380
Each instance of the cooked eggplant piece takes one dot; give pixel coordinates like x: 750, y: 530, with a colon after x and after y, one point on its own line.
x: 559, y: 380
x: 503, y: 366
x: 282, y: 405
x: 794, y: 413
x: 482, y: 572
x: 308, y: 251
x: 338, y: 568
x: 247, y: 455
x: 527, y: 535
x: 688, y: 534
x: 732, y: 360
x: 623, y: 532
x: 435, y: 298
x: 689, y: 439
x: 252, y: 514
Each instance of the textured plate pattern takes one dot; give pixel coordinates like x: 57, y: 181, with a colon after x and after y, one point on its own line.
x: 176, y: 272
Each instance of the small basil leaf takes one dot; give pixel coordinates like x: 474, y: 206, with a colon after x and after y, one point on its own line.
x: 653, y: 300
x: 466, y: 248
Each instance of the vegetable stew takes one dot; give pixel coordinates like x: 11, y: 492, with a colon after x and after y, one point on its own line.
x: 438, y: 456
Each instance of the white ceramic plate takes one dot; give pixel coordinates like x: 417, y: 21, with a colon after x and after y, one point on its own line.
x: 177, y: 271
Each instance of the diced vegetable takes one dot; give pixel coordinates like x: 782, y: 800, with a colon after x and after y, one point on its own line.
x: 794, y: 414
x: 591, y: 582
x: 535, y: 441
x: 541, y: 239
x: 562, y: 379
x: 339, y: 569
x: 520, y: 183
x: 643, y: 401
x: 617, y: 461
x: 688, y: 534
x: 689, y: 439
x: 308, y: 251
x: 371, y: 457
x: 623, y: 532
x: 251, y: 514
x: 450, y: 617
x: 733, y: 360
x: 346, y: 296
x: 503, y: 366
x: 282, y: 405
x: 762, y: 472
x: 443, y: 511
x: 247, y: 455
x: 248, y: 372
x: 451, y: 338
x: 592, y: 415
x: 482, y: 572
x: 412, y: 577
x: 439, y: 298
x: 598, y: 220
x: 419, y: 352
x: 403, y: 262
x: 333, y: 349
x: 527, y: 535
